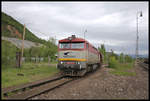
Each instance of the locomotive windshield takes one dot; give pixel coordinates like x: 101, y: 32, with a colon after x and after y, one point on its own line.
x: 64, y: 45
x: 72, y: 45
x: 77, y: 45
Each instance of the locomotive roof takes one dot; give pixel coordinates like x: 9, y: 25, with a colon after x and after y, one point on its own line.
x: 73, y: 40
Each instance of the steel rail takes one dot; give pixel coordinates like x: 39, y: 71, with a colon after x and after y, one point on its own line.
x: 43, y: 87
x: 5, y: 91
x: 39, y: 90
x: 144, y: 65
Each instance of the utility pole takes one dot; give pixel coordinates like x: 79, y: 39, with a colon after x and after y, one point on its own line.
x: 137, y: 38
x: 22, y: 44
x: 84, y: 33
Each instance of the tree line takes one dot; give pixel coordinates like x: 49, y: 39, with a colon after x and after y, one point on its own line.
x: 47, y: 51
x: 113, y: 59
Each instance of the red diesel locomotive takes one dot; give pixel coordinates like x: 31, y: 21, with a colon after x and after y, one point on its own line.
x: 76, y: 56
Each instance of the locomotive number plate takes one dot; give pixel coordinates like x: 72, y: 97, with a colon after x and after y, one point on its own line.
x: 70, y: 63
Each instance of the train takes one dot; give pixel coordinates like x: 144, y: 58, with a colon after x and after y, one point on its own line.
x: 76, y: 56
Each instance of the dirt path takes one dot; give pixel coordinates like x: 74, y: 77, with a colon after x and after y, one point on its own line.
x: 103, y: 85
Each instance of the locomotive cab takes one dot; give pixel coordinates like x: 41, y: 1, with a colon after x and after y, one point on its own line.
x: 72, y: 56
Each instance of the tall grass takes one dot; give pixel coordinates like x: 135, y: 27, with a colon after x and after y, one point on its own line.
x: 30, y: 71
x: 124, y: 69
x: 121, y: 69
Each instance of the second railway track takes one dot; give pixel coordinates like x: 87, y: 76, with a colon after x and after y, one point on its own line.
x: 40, y: 88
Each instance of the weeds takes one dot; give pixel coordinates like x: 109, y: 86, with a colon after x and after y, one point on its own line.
x: 10, y: 77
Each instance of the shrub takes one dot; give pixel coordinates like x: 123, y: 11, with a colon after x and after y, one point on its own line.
x: 8, y: 54
x: 128, y: 59
x: 112, y: 62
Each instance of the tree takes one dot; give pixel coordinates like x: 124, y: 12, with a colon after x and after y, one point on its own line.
x: 52, y: 40
x: 121, y: 58
x: 8, y: 53
x: 51, y: 50
x: 48, y: 49
x: 128, y: 58
x: 35, y: 52
x: 114, y: 55
x: 103, y: 51
x: 27, y: 54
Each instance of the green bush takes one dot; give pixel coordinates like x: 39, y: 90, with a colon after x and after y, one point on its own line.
x: 112, y: 62
x: 128, y: 59
x: 8, y: 54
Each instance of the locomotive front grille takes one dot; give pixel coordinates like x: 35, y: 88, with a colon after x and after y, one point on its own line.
x: 69, y: 67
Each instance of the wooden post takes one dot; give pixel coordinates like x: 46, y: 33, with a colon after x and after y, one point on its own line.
x: 23, y: 43
x: 18, y: 59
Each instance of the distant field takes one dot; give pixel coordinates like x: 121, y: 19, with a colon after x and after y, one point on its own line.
x: 30, y: 71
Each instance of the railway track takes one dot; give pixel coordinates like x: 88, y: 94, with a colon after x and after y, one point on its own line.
x: 143, y: 64
x: 7, y: 90
x: 32, y: 90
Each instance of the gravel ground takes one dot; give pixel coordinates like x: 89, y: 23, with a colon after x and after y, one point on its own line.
x: 103, y: 85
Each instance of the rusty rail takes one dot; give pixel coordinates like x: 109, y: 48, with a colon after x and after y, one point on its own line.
x: 7, y: 90
x: 40, y: 89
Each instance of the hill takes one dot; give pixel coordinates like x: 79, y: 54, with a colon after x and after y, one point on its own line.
x: 18, y: 42
x: 12, y: 28
x: 34, y: 47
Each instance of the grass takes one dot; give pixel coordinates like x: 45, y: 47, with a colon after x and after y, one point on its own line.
x: 123, y: 69
x: 31, y: 72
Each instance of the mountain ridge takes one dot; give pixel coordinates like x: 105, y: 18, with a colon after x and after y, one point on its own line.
x: 13, y: 28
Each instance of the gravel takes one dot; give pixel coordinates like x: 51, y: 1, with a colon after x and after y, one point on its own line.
x: 103, y: 85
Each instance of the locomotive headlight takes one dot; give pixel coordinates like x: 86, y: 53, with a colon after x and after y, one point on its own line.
x: 78, y: 62
x: 61, y: 62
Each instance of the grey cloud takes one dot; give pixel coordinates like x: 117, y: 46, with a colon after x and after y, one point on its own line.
x: 113, y: 22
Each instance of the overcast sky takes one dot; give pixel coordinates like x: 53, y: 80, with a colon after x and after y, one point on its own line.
x: 111, y: 23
